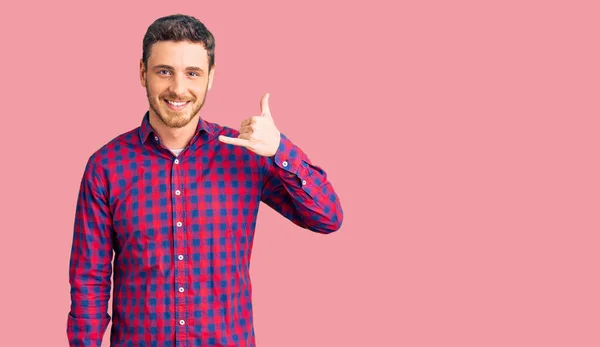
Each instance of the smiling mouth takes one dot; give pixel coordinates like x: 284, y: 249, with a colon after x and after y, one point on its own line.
x: 175, y: 105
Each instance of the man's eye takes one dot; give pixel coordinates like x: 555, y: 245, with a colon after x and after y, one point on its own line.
x: 160, y: 71
x: 196, y: 74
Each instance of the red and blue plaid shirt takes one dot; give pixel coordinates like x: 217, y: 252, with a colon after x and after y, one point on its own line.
x: 181, y: 229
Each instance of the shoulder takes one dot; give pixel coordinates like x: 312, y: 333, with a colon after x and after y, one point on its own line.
x: 231, y: 152
x: 218, y: 129
x: 115, y: 148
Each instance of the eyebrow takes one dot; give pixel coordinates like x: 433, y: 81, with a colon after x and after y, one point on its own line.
x: 189, y: 68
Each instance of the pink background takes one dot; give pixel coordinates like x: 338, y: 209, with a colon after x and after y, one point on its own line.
x: 461, y: 137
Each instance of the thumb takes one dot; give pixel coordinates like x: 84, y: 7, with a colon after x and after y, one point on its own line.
x: 264, y: 105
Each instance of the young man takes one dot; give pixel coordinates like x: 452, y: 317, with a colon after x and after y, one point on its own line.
x: 176, y: 200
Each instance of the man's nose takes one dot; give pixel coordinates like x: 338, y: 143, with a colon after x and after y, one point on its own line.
x: 178, y: 86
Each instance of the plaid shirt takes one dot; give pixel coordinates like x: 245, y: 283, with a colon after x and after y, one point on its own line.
x: 181, y: 229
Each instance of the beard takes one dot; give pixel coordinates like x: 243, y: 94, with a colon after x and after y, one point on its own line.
x: 175, y: 119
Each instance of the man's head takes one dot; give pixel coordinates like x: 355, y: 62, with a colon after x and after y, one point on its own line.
x: 177, y: 64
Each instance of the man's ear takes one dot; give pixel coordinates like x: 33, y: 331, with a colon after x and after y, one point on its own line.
x: 211, y: 76
x: 143, y: 73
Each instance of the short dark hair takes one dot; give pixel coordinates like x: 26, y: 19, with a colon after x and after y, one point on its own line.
x: 179, y: 27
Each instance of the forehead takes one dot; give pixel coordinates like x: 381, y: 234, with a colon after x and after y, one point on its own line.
x: 178, y: 54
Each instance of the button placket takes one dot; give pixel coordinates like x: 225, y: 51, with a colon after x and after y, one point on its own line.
x: 179, y: 247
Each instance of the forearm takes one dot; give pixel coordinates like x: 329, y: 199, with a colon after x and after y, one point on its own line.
x: 90, y: 292
x: 300, y: 190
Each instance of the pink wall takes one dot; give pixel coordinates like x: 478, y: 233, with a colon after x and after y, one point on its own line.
x: 461, y: 137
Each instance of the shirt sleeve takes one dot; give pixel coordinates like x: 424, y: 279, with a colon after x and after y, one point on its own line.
x: 90, y: 265
x: 299, y: 190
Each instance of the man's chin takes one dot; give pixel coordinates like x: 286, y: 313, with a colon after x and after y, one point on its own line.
x: 175, y: 120
x: 176, y: 125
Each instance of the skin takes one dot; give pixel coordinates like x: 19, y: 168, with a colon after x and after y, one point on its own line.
x: 177, y: 83
x: 178, y: 71
x: 258, y: 133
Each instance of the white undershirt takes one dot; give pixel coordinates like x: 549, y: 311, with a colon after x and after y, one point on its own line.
x: 176, y: 151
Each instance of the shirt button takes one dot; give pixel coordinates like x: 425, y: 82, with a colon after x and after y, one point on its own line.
x: 303, y: 182
x: 181, y: 289
x: 156, y: 138
x: 284, y: 163
x: 177, y: 192
x: 179, y: 224
x: 176, y: 161
x: 180, y: 257
x: 181, y: 322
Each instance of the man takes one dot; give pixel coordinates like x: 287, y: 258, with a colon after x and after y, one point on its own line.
x: 176, y: 201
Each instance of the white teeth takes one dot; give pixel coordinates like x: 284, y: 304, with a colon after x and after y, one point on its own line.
x: 177, y: 103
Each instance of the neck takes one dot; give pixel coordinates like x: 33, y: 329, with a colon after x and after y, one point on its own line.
x: 174, y: 138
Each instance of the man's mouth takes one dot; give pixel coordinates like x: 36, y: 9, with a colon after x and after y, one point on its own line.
x: 176, y: 105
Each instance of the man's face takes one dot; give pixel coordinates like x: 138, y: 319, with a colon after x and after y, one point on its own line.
x: 177, y: 73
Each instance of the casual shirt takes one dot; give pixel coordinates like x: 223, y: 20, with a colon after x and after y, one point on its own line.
x: 181, y: 230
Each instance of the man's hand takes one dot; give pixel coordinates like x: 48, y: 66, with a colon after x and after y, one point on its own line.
x: 258, y: 133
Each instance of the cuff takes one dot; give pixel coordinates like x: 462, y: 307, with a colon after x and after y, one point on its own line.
x: 288, y: 156
x: 86, y: 331
x: 293, y: 162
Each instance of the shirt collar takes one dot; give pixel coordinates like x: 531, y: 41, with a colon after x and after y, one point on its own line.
x: 146, y: 129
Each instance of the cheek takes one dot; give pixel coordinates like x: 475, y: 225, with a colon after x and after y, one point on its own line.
x: 199, y: 90
x: 154, y: 88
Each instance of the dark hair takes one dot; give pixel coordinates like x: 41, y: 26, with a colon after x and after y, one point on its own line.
x: 179, y: 27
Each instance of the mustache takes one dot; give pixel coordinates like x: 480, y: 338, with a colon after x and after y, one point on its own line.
x: 171, y: 97
x: 177, y: 98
